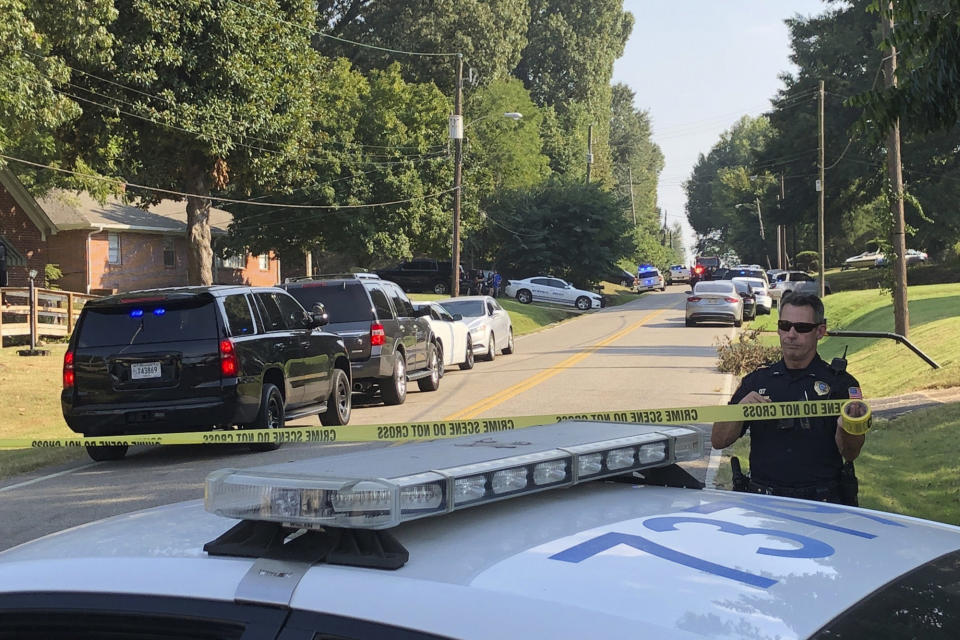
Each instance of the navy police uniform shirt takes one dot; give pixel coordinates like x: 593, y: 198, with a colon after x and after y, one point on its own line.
x: 796, y: 452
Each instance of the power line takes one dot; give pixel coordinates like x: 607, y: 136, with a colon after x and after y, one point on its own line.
x: 183, y: 194
x: 175, y: 103
x: 338, y: 39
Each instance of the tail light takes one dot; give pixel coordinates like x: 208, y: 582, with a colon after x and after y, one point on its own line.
x: 228, y: 359
x: 693, y: 299
x: 732, y: 299
x: 68, y: 375
x: 377, y: 336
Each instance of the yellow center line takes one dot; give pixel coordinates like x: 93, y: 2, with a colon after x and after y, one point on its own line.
x: 477, y: 408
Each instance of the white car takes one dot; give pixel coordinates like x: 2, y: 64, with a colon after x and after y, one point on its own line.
x: 679, y: 273
x: 498, y: 535
x: 490, y: 327
x: 649, y: 279
x: 760, y: 292
x: 865, y: 259
x: 555, y: 290
x: 452, y: 332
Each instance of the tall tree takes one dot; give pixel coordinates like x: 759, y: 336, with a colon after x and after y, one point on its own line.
x: 489, y: 33
x: 204, y: 95
x: 571, y: 230
x: 637, y: 160
x: 33, y: 76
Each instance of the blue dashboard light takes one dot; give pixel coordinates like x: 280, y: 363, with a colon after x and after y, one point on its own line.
x: 159, y: 311
x: 136, y: 313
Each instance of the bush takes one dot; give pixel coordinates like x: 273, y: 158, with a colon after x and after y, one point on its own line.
x: 52, y: 273
x: 743, y: 355
x: 808, y: 260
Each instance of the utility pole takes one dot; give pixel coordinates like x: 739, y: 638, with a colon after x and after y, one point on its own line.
x: 633, y: 208
x: 901, y: 312
x: 820, y: 188
x: 781, y: 228
x: 456, y: 132
x: 590, y: 152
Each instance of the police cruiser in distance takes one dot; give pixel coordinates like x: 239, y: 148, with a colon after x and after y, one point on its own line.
x: 548, y: 532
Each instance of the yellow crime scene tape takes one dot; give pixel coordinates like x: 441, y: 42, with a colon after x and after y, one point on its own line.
x: 431, y: 430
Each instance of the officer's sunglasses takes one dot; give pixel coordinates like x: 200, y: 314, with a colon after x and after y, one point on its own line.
x: 801, y: 327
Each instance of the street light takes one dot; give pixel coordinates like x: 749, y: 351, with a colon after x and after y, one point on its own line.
x: 456, y: 134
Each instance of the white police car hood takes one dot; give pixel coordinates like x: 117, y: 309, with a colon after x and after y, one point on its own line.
x: 683, y: 563
x: 597, y: 560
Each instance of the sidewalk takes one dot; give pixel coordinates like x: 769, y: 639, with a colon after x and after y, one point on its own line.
x: 895, y: 406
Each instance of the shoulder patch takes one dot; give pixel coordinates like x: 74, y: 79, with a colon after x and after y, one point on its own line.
x: 854, y: 393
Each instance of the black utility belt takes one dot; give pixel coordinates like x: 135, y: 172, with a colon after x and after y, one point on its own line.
x: 824, y: 491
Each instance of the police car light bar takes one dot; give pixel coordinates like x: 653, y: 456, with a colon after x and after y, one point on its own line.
x: 379, y: 489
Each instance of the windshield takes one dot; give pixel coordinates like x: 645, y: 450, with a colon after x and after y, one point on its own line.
x: 466, y: 308
x: 154, y: 322
x: 713, y: 287
x: 342, y: 302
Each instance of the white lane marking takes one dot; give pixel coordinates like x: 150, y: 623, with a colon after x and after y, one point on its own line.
x: 47, y: 477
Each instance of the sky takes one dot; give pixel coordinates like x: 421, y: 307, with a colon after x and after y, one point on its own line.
x: 697, y: 66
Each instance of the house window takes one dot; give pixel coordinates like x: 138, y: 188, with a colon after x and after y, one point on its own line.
x: 169, y: 253
x: 234, y: 262
x: 264, y: 262
x: 113, y: 248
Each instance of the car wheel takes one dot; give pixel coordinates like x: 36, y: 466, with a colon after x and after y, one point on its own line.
x: 431, y: 382
x: 270, y: 416
x: 507, y: 350
x: 583, y: 303
x: 394, y: 388
x: 524, y: 297
x: 491, y: 349
x: 690, y: 323
x: 440, y: 356
x: 440, y: 288
x: 339, y: 402
x: 738, y: 323
x: 106, y: 452
x: 467, y: 363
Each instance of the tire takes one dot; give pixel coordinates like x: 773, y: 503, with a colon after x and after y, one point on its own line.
x: 524, y: 296
x: 583, y: 303
x: 468, y: 361
x: 440, y: 288
x: 443, y: 367
x: 690, y: 323
x: 738, y: 323
x: 394, y: 388
x: 339, y: 404
x: 270, y: 416
x: 491, y: 349
x: 510, y: 348
x: 431, y: 382
x: 106, y: 452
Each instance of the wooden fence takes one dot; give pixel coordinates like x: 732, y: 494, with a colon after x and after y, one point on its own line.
x: 56, y: 312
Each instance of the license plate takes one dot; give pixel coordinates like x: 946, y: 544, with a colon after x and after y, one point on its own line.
x: 712, y: 301
x: 144, y: 370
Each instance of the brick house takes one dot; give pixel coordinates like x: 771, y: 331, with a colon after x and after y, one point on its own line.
x: 110, y: 247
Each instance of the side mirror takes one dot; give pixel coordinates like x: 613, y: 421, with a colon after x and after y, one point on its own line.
x: 457, y: 316
x: 688, y: 293
x: 318, y: 315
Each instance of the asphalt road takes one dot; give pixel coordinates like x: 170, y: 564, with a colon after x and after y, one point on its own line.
x: 634, y: 356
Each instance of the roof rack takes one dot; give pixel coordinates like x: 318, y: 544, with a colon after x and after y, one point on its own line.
x: 360, y: 275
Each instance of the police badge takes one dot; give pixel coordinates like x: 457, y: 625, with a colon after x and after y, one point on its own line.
x: 822, y: 388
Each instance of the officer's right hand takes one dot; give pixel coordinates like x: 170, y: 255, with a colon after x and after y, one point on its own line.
x: 753, y: 398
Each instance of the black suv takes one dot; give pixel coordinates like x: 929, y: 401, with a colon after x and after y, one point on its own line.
x: 192, y: 358
x: 389, y: 342
x: 422, y: 274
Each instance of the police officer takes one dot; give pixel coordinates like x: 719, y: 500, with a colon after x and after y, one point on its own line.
x: 798, y: 457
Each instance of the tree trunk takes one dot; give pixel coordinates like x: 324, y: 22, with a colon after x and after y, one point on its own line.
x: 199, y: 251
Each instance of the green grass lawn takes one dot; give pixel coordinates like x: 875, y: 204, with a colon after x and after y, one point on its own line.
x: 908, y: 465
x: 883, y: 366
